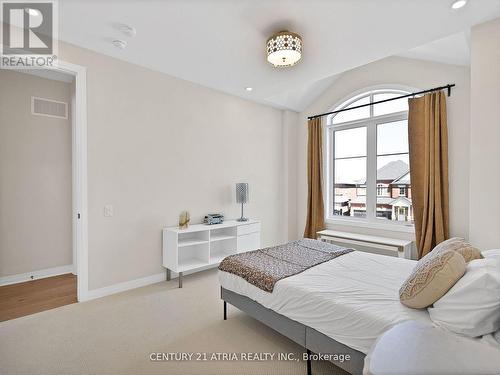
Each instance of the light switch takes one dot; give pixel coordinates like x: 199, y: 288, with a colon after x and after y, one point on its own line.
x: 108, y: 210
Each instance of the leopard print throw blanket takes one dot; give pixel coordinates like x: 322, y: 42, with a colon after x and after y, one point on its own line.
x: 265, y: 267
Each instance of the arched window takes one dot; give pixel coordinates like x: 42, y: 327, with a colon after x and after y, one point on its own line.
x: 368, y: 169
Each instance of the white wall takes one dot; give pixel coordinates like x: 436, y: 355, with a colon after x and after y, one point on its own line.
x: 35, y: 177
x: 485, y: 135
x: 290, y: 127
x: 158, y: 145
x: 418, y: 74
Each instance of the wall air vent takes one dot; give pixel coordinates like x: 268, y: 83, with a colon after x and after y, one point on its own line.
x: 49, y: 108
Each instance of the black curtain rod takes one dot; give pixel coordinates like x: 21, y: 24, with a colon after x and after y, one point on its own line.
x: 448, y: 87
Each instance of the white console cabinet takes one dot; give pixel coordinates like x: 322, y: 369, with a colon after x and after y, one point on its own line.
x: 202, y: 246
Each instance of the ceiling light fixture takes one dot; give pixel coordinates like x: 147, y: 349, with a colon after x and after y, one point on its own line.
x: 121, y: 44
x: 284, y: 49
x: 458, y: 4
x: 248, y: 88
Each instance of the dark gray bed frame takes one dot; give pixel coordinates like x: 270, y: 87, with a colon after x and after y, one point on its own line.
x: 307, y: 337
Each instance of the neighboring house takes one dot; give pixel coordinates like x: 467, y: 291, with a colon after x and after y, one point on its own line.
x: 393, y: 194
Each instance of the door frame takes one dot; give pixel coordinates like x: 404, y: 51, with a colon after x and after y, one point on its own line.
x: 79, y: 175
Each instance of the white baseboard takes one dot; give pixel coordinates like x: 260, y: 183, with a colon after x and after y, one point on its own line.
x: 127, y: 285
x: 137, y: 283
x: 35, y: 275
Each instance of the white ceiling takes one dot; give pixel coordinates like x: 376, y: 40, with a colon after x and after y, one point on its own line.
x: 221, y: 43
x: 453, y: 49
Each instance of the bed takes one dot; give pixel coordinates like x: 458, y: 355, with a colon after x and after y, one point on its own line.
x: 340, y: 306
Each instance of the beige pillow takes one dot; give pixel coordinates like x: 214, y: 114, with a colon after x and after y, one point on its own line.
x: 461, y: 246
x: 431, y: 278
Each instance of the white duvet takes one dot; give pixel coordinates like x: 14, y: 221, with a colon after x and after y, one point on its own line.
x: 352, y: 299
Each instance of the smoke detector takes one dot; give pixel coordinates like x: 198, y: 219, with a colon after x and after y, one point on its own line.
x: 128, y: 30
x: 121, y: 44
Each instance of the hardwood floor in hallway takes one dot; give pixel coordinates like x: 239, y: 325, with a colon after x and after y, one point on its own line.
x: 30, y: 297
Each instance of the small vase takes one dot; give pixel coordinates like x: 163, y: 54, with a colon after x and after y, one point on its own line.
x: 184, y: 219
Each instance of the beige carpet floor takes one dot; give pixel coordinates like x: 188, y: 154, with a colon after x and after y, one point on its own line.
x: 116, y: 334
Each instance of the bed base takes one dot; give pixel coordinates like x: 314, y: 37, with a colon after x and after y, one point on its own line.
x: 307, y: 337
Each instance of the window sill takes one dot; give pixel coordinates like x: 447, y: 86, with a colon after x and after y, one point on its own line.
x: 372, y: 225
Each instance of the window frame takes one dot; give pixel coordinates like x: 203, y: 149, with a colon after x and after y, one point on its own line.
x: 371, y: 220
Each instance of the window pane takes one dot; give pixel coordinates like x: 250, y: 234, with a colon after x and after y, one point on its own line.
x: 391, y: 167
x: 354, y: 114
x: 350, y: 179
x: 349, y: 160
x: 392, y: 137
x: 394, y: 188
x: 350, y: 171
x: 389, y: 107
x: 350, y: 142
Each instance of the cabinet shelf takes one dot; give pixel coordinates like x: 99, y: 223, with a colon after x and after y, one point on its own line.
x: 218, y: 237
x: 190, y: 264
x: 183, y: 243
x: 201, y: 246
x: 217, y: 258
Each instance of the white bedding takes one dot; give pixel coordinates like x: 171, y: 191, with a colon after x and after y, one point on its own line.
x: 352, y: 299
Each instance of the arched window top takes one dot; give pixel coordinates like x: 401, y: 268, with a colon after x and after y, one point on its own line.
x: 367, y: 159
x: 367, y: 112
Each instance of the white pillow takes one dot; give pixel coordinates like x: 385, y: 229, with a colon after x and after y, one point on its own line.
x: 472, y: 306
x: 493, y: 253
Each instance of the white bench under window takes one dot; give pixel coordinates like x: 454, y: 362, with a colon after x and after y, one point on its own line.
x: 372, y: 244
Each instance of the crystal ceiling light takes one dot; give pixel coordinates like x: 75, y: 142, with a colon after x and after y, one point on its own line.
x: 284, y: 49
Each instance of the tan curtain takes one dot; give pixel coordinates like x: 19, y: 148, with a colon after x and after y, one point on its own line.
x: 428, y: 138
x: 315, y: 209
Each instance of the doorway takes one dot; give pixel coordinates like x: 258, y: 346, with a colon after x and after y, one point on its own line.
x: 43, y: 268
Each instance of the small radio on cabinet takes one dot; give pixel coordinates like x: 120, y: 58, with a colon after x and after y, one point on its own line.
x: 211, y: 219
